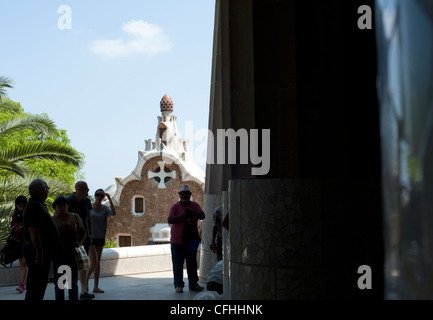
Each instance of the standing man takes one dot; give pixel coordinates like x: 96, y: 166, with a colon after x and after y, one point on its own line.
x: 183, y: 217
x: 81, y: 205
x: 41, y: 238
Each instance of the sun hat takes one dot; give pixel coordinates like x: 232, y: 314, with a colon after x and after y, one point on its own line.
x: 184, y: 188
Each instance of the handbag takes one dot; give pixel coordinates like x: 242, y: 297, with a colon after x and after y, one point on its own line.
x: 12, y: 251
x: 82, y: 258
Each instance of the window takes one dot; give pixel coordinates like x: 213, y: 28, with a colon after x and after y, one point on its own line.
x: 125, y: 241
x: 138, y: 206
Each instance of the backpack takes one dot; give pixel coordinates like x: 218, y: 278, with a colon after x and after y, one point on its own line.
x: 12, y: 251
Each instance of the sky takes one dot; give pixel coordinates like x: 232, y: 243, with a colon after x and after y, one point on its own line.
x: 100, y: 68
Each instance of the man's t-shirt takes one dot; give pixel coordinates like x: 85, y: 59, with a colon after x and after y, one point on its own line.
x: 177, y: 228
x: 81, y: 208
x: 36, y: 215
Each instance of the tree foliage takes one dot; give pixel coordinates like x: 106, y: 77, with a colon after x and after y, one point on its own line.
x: 31, y: 146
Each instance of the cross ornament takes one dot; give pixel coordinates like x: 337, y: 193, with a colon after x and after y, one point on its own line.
x: 161, y: 175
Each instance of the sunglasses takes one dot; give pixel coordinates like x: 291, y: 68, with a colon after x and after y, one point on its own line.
x: 99, y: 195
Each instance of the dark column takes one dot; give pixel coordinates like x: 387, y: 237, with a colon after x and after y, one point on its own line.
x: 305, y: 71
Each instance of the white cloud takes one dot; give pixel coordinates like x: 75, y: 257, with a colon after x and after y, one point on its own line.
x: 141, y: 38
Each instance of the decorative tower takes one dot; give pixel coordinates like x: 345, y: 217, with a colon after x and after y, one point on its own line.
x: 166, y: 133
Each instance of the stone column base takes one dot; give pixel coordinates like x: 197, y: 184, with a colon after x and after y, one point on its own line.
x: 275, y: 239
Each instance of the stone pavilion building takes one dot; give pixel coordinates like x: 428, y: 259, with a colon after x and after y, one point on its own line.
x: 144, y: 197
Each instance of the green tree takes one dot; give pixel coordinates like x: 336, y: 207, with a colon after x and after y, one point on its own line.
x: 13, y: 186
x: 63, y: 172
x: 16, y: 149
x: 25, y: 137
x: 31, y: 146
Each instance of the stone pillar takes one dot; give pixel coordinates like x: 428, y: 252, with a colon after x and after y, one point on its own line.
x: 214, y: 172
x: 207, y: 258
x: 275, y: 232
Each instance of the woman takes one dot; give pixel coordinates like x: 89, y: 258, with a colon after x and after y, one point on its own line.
x: 72, y: 233
x: 99, y: 215
x: 17, y: 225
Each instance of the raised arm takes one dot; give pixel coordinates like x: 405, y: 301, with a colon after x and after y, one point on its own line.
x: 113, y: 211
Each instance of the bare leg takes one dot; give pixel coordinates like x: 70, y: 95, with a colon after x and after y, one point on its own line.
x: 82, y: 276
x: 93, y: 261
x: 98, y: 269
x: 23, y: 266
x: 23, y: 277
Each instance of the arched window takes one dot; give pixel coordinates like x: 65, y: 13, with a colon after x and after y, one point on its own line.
x: 138, y: 207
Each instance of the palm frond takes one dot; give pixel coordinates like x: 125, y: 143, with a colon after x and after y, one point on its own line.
x: 6, y: 212
x: 53, y: 150
x: 8, y: 165
x: 34, y: 122
x: 5, y: 82
x: 12, y: 187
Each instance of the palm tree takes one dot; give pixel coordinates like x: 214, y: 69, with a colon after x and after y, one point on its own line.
x: 13, y: 159
x: 15, y: 176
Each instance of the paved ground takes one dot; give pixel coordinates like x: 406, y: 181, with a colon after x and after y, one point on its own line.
x: 148, y: 286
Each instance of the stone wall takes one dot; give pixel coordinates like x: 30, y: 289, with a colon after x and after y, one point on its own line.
x: 114, y: 262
